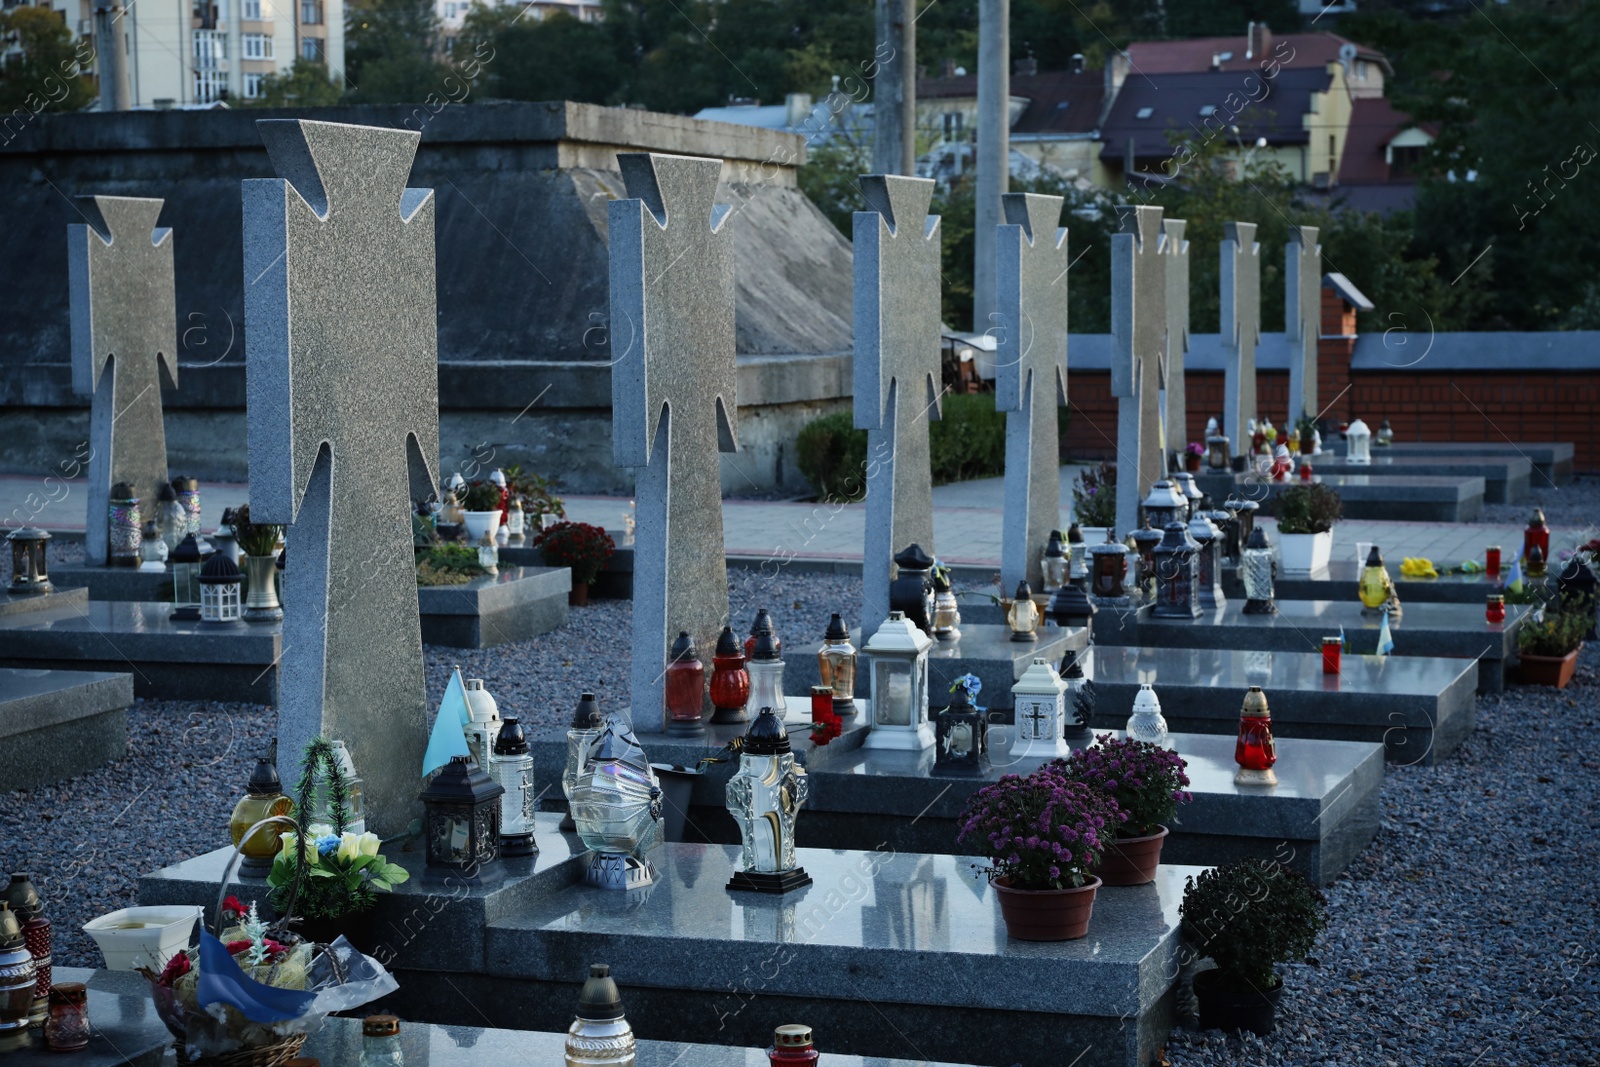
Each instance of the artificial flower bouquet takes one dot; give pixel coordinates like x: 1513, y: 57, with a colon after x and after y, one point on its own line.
x: 344, y: 873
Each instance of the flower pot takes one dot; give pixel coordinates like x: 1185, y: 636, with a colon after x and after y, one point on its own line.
x: 1305, y: 553
x: 1046, y: 914
x: 261, y: 577
x: 579, y: 596
x: 1093, y: 535
x: 480, y: 523
x: 1548, y: 670
x: 1132, y: 860
x: 1221, y: 1008
x: 144, y: 936
x: 1191, y: 463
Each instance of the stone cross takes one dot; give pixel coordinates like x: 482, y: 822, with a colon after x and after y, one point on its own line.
x: 124, y: 333
x: 1302, y: 319
x: 1241, y: 330
x: 896, y: 373
x: 673, y: 404
x: 1030, y: 376
x: 342, y: 385
x: 1138, y: 340
x: 1174, y: 402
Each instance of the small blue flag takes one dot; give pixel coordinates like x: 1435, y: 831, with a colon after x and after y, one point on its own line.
x: 1514, y: 579
x: 222, y: 981
x: 449, y: 738
x: 1344, y: 642
x: 1385, y: 638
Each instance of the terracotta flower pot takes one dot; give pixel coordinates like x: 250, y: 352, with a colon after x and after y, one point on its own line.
x: 1548, y: 670
x: 1222, y: 1008
x: 579, y: 596
x: 1191, y: 462
x: 1046, y: 914
x: 1132, y: 860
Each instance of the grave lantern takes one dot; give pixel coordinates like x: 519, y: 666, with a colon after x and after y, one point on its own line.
x: 1536, y: 567
x: 461, y: 817
x: 599, y: 1035
x: 1222, y: 519
x: 1109, y: 571
x: 355, y: 792
x: 1023, y: 615
x: 171, y: 517
x: 617, y: 809
x: 220, y: 581
x: 1177, y: 575
x: 1166, y: 503
x: 516, y: 522
x: 511, y: 765
x: 1217, y: 452
x: 1385, y: 436
x: 263, y: 799
x: 1537, y: 533
x: 122, y: 527
x: 1039, y: 698
x: 946, y: 612
x: 1359, y: 439
x: 1376, y: 588
x: 497, y: 478
x: 586, y: 726
x: 766, y: 674
x: 152, y: 549
x: 1494, y: 610
x: 1258, y: 569
x: 30, y: 569
x: 1244, y: 518
x: 188, y: 490
x: 961, y: 734
x: 1208, y: 559
x: 1080, y: 699
x: 1147, y: 723
x: 730, y: 682
x: 186, y: 566
x: 762, y: 625
x: 911, y: 592
x: 1576, y: 586
x: 18, y: 980
x: 764, y: 797
x: 1071, y: 606
x: 1254, y: 751
x: 897, y: 659
x: 1184, y: 482
x: 483, y: 720
x: 792, y: 1047
x: 836, y: 665
x: 684, y: 688
x: 1055, y: 564
x: 1077, y: 555
x: 1145, y: 540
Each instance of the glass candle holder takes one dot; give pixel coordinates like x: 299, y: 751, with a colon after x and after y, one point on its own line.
x: 766, y: 674
x: 821, y: 702
x: 67, y: 1028
x: 685, y: 686
x: 1255, y: 751
x: 1491, y: 561
x: 1305, y: 472
x: 836, y: 665
x: 730, y: 682
x: 1332, y: 651
x: 1495, y: 611
x: 791, y: 1046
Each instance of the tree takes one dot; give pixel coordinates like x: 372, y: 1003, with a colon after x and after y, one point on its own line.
x: 48, y: 73
x: 390, y: 47
x: 522, y: 58
x: 305, y: 85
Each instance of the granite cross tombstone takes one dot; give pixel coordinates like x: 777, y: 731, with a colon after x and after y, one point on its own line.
x: 673, y: 403
x: 1241, y: 330
x: 1030, y: 376
x: 1138, y: 339
x: 896, y: 373
x: 123, y: 314
x: 1302, y: 318
x: 1174, y: 402
x: 342, y: 383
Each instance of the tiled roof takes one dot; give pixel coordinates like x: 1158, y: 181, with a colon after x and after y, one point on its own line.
x: 1058, y: 101
x: 1176, y: 101
x: 1373, y: 122
x: 1194, y: 56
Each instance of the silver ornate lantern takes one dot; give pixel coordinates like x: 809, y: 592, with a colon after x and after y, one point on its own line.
x: 764, y: 798
x: 1166, y: 503
x: 1208, y: 558
x: 30, y: 569
x: 616, y: 807
x: 461, y: 818
x: 1258, y: 569
x: 1177, y: 574
x: 586, y: 726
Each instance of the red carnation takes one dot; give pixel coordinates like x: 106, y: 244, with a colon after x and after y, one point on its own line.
x: 232, y: 906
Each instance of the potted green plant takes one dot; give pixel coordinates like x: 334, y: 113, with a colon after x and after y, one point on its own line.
x: 1147, y: 783
x: 1043, y: 836
x: 1248, y: 916
x: 258, y: 543
x: 480, y: 510
x: 580, y: 546
x: 1094, y: 501
x: 1549, y: 644
x: 1306, y: 514
x: 537, y: 494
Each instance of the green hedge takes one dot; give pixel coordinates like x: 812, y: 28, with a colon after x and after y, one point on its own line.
x: 969, y: 441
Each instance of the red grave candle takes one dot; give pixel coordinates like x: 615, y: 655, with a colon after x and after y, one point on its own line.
x: 791, y: 1046
x: 730, y: 682
x: 1491, y: 561
x: 1255, y: 750
x: 685, y: 685
x: 1332, y: 650
x: 1496, y: 609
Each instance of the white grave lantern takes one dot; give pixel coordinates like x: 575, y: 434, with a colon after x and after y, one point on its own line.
x: 1147, y: 723
x: 219, y: 590
x: 1359, y: 438
x: 898, y: 658
x: 1040, y: 699
x: 483, y: 721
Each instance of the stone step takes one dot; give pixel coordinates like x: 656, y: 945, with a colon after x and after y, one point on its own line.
x: 55, y: 724
x: 1552, y: 460
x: 1506, y: 478
x: 1414, y: 498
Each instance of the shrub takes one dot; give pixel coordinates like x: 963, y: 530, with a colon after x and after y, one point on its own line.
x: 1250, y: 915
x: 578, y: 545
x: 536, y: 492
x: 448, y: 564
x: 481, y: 496
x: 1040, y: 832
x: 1145, y: 780
x: 1308, y: 509
x: 832, y: 454
x: 1094, y: 496
x: 967, y: 441
x: 1557, y: 633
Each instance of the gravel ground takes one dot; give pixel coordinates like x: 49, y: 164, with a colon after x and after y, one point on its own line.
x: 1568, y: 507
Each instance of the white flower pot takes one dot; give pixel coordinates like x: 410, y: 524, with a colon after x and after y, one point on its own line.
x: 143, y: 937
x: 1093, y: 535
x: 1305, y: 553
x: 480, y: 523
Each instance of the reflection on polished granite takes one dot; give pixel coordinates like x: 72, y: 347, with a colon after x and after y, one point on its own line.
x: 1339, y: 580
x: 126, y: 1029
x: 1506, y: 478
x: 513, y: 605
x: 57, y: 724
x: 59, y: 598
x: 1412, y: 498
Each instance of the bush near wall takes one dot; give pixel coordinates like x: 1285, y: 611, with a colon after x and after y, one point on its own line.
x: 968, y: 441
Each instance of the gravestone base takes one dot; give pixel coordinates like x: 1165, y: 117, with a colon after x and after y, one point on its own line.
x: 1338, y: 582
x: 615, y: 581
x: 1414, y: 498
x: 34, y: 603
x: 56, y: 724
x: 516, y: 604
x: 1552, y: 460
x: 114, y: 583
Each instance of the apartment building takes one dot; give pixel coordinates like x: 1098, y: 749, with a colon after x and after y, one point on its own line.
x: 453, y: 13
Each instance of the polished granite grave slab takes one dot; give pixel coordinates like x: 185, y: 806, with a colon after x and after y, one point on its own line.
x: 1414, y: 498
x: 169, y: 659
x: 113, y: 583
x: 1419, y: 708
x: 1338, y: 582
x: 12, y: 606
x: 880, y: 946
x: 1323, y: 811
x: 615, y: 581
x: 125, y: 1029
x: 517, y: 603
x: 1452, y: 630
x: 55, y: 724
x: 1506, y: 477
x: 1552, y: 460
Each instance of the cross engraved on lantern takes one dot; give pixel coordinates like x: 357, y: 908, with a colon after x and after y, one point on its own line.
x: 1138, y: 339
x: 1241, y: 330
x: 1174, y: 403
x: 1302, y: 318
x: 342, y: 379
x: 1037, y: 717
x: 124, y: 334
x: 673, y: 405
x: 1030, y: 376
x: 896, y: 372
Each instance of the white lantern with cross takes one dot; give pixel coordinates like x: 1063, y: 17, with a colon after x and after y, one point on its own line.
x: 898, y: 659
x: 1358, y: 436
x: 1040, y: 700
x: 219, y: 590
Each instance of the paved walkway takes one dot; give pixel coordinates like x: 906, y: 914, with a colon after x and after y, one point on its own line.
x: 966, y: 522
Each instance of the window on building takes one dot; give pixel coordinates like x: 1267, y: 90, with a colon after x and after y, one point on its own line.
x: 310, y: 48
x: 449, y: 11
x: 1333, y: 154
x: 1361, y: 70
x: 1207, y: 109
x: 257, y: 46
x: 310, y: 13
x: 1144, y: 112
x: 1403, y: 160
x: 252, y: 85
